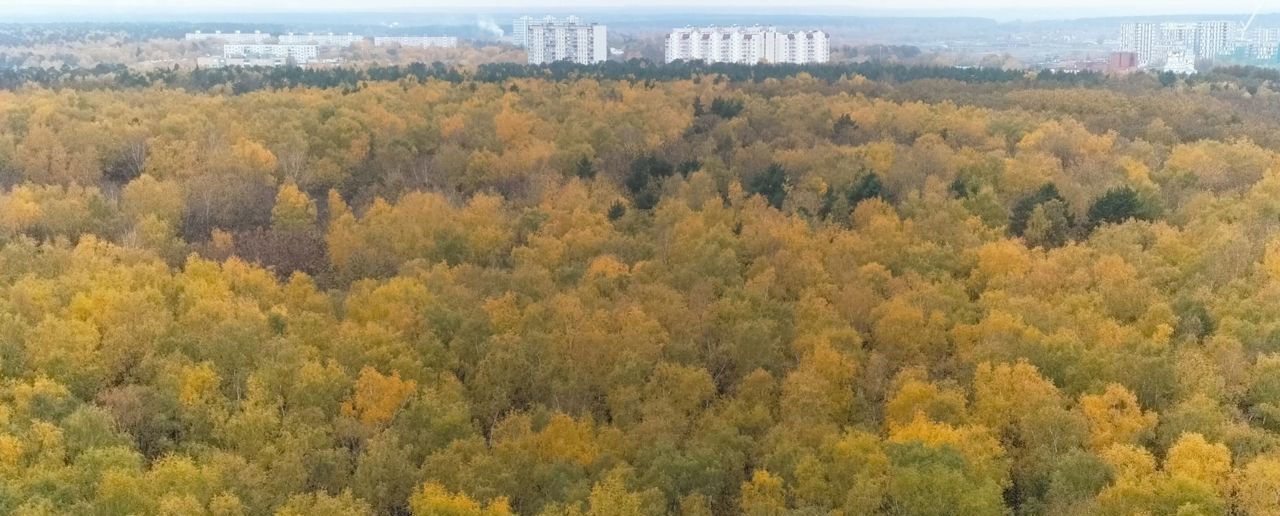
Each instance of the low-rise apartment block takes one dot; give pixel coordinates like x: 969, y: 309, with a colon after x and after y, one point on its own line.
x: 416, y: 41
x: 329, y: 40
x: 237, y: 37
x: 298, y: 54
x: 747, y: 45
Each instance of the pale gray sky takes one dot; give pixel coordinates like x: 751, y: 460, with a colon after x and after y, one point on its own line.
x: 1075, y: 7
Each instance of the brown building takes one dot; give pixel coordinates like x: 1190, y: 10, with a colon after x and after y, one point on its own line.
x: 1122, y: 62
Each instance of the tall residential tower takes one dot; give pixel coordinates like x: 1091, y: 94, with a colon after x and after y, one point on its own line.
x: 1155, y: 42
x: 550, y: 40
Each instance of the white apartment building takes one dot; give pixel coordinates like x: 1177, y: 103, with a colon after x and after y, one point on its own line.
x: 1263, y: 43
x: 329, y: 40
x: 1155, y: 42
x: 520, y: 31
x: 721, y: 45
x: 748, y: 45
x: 237, y: 38
x: 416, y: 41
x: 299, y: 54
x: 1143, y: 39
x: 804, y: 47
x: 225, y: 62
x: 550, y: 40
x: 1215, y: 38
x: 520, y: 27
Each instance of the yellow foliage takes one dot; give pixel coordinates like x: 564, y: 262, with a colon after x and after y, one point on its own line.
x: 254, y: 156
x: 919, y: 398
x: 1220, y: 166
x: 11, y: 450
x: 974, y: 442
x: 378, y: 397
x: 1129, y: 462
x: 1271, y: 260
x: 433, y: 499
x: 1069, y: 141
x: 607, y: 267
x: 1255, y: 486
x: 564, y: 439
x: 293, y: 210
x: 198, y: 384
x: 1195, y: 458
x: 1004, y: 259
x: 512, y: 127
x: 1114, y: 417
x: 451, y: 125
x: 763, y: 495
x: 18, y: 210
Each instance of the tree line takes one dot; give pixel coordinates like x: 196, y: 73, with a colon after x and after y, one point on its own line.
x: 247, y: 79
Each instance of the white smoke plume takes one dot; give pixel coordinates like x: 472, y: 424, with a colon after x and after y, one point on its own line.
x: 489, y: 25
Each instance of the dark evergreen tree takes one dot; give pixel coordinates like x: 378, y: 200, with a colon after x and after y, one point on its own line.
x: 844, y: 123
x: 771, y: 184
x: 1116, y: 206
x: 1025, y: 206
x: 727, y: 108
x: 866, y: 187
x: 688, y: 167
x: 644, y: 179
x: 616, y: 211
x: 584, y: 169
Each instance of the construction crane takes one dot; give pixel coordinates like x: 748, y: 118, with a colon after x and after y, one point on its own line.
x: 1242, y: 37
x: 1257, y: 6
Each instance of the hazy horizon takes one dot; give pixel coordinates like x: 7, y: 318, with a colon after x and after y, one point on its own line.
x: 80, y: 10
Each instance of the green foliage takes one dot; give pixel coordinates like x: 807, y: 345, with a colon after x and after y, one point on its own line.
x: 1044, y: 218
x: 928, y: 481
x: 616, y: 211
x: 727, y: 108
x: 1118, y: 205
x: 644, y: 180
x: 1026, y: 206
x: 584, y: 169
x: 843, y: 124
x: 770, y: 184
x: 1049, y: 224
x: 866, y: 187
x: 293, y: 210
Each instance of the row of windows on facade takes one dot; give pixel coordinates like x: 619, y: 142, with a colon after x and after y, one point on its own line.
x: 748, y: 45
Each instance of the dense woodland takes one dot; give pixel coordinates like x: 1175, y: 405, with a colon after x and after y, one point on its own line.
x: 584, y: 294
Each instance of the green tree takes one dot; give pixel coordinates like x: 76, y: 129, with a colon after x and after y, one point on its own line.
x: 1116, y: 206
x: 293, y: 210
x: 770, y: 184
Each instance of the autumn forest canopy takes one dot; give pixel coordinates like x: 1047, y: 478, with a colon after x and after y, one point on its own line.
x: 631, y: 289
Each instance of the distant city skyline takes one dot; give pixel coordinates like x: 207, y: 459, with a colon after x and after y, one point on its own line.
x: 1006, y: 9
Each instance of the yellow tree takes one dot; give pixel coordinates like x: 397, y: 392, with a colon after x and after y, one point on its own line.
x: 1115, y: 417
x: 147, y: 195
x: 1255, y: 486
x: 378, y: 397
x: 43, y: 158
x: 294, y: 210
x: 434, y: 500
x: 763, y: 495
x: 1194, y: 458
